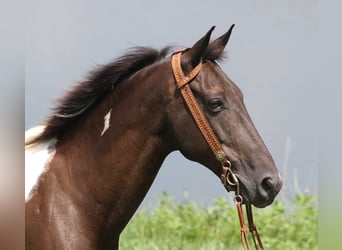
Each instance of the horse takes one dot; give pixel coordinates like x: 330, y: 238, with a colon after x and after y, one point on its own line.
x: 97, y: 154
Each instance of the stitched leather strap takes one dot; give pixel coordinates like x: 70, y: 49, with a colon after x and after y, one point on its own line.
x: 228, y: 178
x: 252, y: 228
x: 243, y: 229
x: 193, y: 106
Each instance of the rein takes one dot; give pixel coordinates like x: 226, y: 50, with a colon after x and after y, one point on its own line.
x: 228, y: 177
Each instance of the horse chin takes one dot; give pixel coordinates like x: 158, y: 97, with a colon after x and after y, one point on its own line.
x: 262, y: 204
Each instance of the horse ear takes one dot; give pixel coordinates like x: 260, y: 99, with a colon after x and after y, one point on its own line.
x: 192, y: 56
x: 215, y: 48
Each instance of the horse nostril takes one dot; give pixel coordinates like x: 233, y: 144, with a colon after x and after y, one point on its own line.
x: 268, y: 189
x: 268, y: 185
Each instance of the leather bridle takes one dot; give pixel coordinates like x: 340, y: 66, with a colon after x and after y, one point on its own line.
x: 228, y: 177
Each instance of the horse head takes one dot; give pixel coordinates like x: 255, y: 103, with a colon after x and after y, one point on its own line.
x: 222, y: 103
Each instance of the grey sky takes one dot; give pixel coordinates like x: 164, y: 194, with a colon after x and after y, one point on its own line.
x: 272, y: 57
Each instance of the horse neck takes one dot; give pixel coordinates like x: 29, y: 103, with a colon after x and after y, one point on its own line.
x: 110, y: 170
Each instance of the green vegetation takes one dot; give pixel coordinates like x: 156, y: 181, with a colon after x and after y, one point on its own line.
x: 171, y: 226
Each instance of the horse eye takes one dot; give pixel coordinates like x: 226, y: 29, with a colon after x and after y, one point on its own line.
x: 215, y: 105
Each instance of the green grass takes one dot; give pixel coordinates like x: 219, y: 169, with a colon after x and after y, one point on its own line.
x: 170, y: 226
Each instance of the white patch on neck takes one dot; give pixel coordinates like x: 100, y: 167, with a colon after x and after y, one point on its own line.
x: 37, y: 159
x: 106, y: 122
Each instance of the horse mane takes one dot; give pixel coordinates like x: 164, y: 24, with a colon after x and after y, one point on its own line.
x: 86, y: 94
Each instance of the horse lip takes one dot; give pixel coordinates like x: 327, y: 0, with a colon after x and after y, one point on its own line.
x: 248, y: 194
x: 255, y: 200
x: 263, y: 204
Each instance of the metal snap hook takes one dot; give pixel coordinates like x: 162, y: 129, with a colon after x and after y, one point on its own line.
x: 231, y: 178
